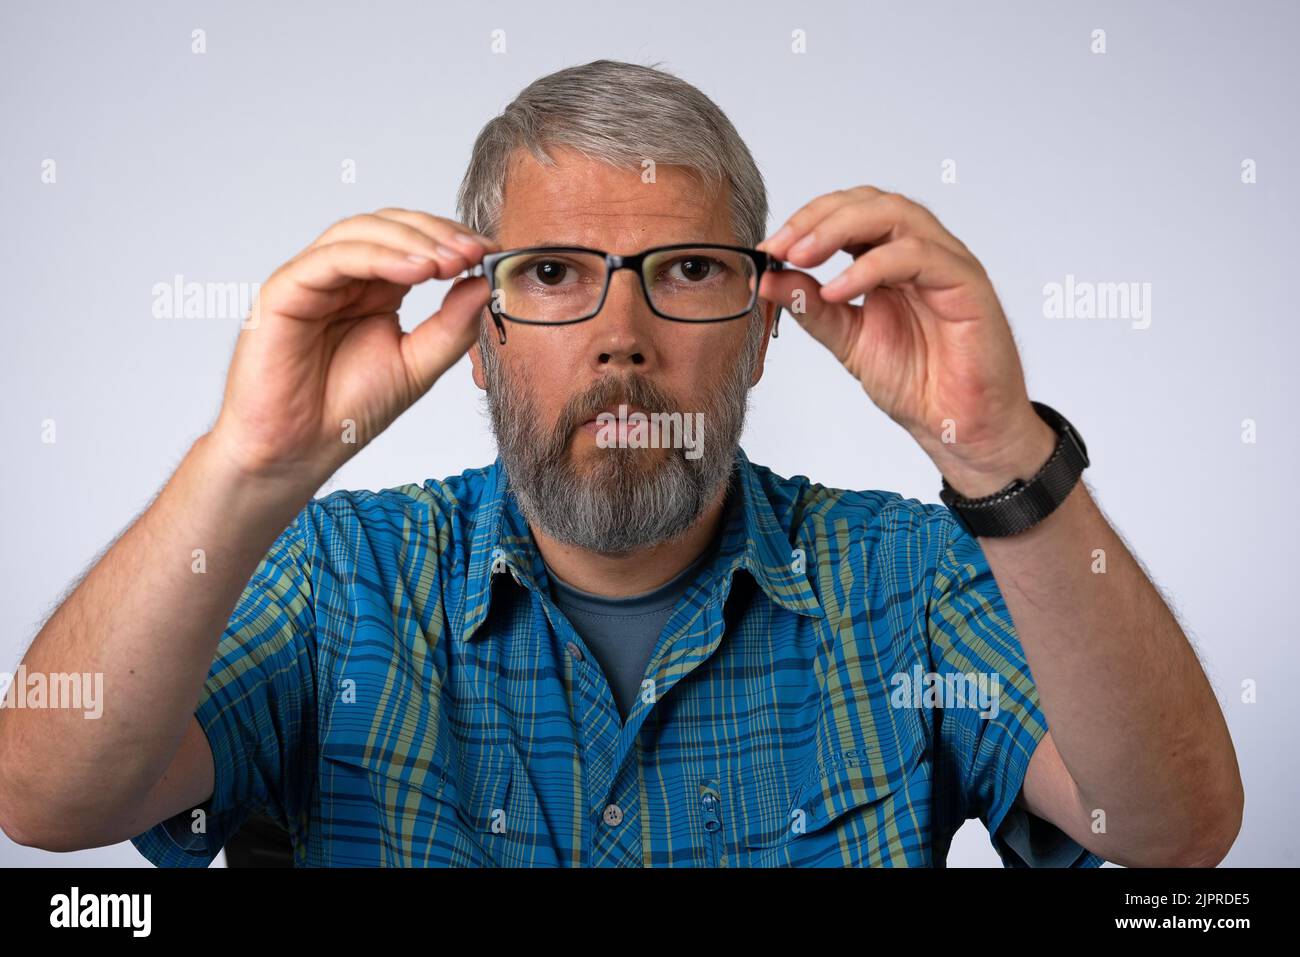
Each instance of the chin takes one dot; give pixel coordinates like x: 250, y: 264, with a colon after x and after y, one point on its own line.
x: 589, y: 459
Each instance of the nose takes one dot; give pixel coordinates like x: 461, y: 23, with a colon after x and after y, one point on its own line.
x: 622, y: 332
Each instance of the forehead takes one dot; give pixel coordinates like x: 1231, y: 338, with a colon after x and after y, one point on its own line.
x: 584, y: 202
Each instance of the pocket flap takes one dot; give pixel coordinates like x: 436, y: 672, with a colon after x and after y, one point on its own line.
x: 835, y: 785
x: 854, y: 777
x: 420, y: 771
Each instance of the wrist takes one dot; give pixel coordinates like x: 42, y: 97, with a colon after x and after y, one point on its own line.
x: 1025, y: 452
x: 222, y: 461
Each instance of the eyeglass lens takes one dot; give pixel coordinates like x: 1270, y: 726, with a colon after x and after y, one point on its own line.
x: 698, y: 284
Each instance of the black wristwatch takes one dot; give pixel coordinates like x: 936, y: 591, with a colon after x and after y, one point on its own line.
x: 1023, y: 504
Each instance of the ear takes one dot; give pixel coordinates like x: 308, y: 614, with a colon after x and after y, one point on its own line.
x: 769, y: 317
x: 476, y: 361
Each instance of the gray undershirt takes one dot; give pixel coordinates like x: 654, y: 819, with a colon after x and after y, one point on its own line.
x: 621, y: 633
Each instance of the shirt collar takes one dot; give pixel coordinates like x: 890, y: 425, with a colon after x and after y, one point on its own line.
x: 751, y: 538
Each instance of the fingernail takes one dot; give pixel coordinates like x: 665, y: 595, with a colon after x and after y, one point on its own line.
x: 446, y: 252
x: 803, y: 245
x: 836, y: 285
x: 780, y: 236
x: 419, y: 260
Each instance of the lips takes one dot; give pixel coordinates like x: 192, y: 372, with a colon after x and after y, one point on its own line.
x: 613, y: 410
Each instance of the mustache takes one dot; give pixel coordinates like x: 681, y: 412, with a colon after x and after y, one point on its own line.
x: 609, y: 393
x: 550, y: 450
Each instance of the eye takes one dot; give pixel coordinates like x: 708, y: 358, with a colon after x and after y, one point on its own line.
x: 694, y: 268
x: 549, y: 272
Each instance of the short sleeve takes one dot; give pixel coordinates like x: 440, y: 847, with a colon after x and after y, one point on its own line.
x: 257, y: 709
x: 990, y: 721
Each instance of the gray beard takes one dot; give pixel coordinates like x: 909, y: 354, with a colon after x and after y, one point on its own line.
x: 618, y: 500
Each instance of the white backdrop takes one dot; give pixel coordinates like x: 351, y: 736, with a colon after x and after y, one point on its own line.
x: 1117, y: 167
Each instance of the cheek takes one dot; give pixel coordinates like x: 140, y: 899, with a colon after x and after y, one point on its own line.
x: 541, y: 380
x: 709, y: 353
x: 544, y: 361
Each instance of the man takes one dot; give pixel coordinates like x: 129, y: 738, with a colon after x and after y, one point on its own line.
x: 607, y: 651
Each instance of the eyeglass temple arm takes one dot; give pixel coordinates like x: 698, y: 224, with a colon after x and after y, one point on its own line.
x: 775, y: 265
x: 477, y: 270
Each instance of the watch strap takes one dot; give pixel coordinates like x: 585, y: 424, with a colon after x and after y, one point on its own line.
x: 1024, y: 503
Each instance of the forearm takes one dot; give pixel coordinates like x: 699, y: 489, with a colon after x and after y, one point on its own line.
x: 1131, y: 712
x: 147, y: 619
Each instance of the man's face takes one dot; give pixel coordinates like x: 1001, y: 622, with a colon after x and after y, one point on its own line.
x: 547, y: 384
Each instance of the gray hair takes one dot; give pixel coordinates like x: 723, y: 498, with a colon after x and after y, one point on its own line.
x: 622, y: 114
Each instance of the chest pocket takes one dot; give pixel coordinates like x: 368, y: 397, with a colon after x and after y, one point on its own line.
x: 856, y: 807
x: 496, y: 802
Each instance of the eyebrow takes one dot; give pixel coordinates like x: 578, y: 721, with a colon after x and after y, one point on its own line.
x: 549, y: 242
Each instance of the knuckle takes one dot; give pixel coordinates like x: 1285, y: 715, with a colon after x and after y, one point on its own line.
x: 327, y: 236
x: 896, y: 201
x: 371, y: 252
x: 913, y: 245
x: 339, y: 228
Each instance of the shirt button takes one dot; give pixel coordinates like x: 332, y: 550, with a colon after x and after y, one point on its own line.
x: 573, y: 649
x: 613, y: 815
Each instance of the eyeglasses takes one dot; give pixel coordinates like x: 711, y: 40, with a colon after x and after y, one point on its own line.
x: 561, y: 285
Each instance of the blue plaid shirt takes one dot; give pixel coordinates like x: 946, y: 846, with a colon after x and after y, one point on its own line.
x: 397, y: 687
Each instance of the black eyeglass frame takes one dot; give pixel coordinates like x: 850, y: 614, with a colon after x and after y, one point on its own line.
x: 763, y: 262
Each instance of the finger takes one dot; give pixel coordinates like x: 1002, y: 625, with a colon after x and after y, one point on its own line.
x: 830, y: 323
x: 376, y: 298
x: 911, y: 259
x: 373, y: 228
x: 852, y: 228
x: 812, y: 212
x: 856, y: 227
x: 316, y: 282
x: 445, y: 231
x: 437, y: 344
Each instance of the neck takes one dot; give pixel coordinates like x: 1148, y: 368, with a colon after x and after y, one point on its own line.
x: 617, y: 576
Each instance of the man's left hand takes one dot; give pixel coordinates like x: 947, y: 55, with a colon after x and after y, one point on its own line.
x: 930, y: 343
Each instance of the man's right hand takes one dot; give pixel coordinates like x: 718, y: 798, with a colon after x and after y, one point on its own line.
x: 324, y: 358
x: 325, y: 346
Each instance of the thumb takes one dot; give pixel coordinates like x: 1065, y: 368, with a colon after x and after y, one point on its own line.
x: 830, y: 323
x: 437, y: 344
